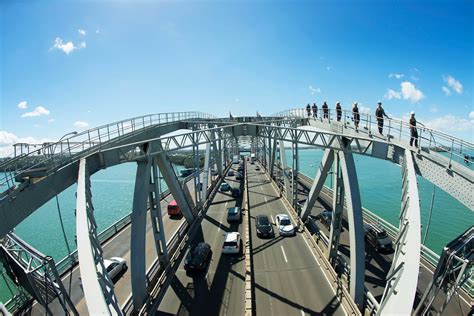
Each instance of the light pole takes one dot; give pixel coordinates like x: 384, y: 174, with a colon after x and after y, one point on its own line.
x: 59, y: 141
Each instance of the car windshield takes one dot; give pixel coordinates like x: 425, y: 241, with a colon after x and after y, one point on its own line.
x: 230, y: 244
x: 232, y: 211
x: 263, y: 221
x: 382, y: 235
x: 285, y: 221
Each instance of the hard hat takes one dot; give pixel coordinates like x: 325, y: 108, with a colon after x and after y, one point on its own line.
x: 380, y: 102
x: 355, y: 103
x: 412, y: 112
x: 338, y: 102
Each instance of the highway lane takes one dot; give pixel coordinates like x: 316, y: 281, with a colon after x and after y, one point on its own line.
x: 119, y: 246
x: 288, y: 277
x: 220, y: 290
x: 378, y: 264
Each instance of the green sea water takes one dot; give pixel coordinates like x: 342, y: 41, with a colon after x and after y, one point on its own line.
x: 112, y: 190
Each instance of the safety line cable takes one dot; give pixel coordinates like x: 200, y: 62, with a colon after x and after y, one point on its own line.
x: 66, y: 241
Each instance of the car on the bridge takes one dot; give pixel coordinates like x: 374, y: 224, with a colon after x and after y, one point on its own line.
x: 264, y: 226
x: 325, y: 217
x: 224, y: 187
x: 230, y: 173
x: 234, y: 214
x: 236, y: 192
x: 239, y: 176
x: 377, y: 237
x: 174, y: 209
x: 257, y: 168
x: 214, y: 172
x: 285, y: 226
x: 232, y: 243
x: 114, y: 266
x: 198, y: 257
x: 241, y: 168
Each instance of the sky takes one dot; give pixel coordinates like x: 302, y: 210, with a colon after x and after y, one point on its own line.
x: 72, y: 65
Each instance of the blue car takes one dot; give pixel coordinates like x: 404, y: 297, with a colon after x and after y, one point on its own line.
x: 224, y: 187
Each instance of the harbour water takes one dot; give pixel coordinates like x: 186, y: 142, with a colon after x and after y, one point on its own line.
x: 112, y: 189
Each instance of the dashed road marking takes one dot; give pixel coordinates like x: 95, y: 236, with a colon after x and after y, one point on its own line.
x: 284, y: 254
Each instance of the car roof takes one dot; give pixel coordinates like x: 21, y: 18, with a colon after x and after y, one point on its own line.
x: 234, y: 209
x: 232, y: 236
x: 283, y: 216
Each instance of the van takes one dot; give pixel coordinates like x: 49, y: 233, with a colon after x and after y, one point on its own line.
x: 173, y: 209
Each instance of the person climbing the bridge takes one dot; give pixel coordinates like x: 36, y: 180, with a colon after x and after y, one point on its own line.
x: 308, y: 109
x: 325, y: 110
x: 355, y: 115
x: 315, y: 111
x: 413, y: 130
x: 380, y: 113
x: 338, y: 111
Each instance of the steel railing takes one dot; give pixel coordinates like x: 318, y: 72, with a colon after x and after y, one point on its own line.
x: 455, y: 149
x: 52, y: 156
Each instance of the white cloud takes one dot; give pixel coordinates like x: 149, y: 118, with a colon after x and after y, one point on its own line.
x: 329, y: 67
x: 446, y: 91
x: 451, y: 123
x: 81, y: 125
x: 51, y: 120
x: 8, y: 139
x: 434, y: 109
x: 314, y: 90
x: 23, y: 105
x: 97, y: 31
x: 453, y: 83
x: 82, y: 32
x: 364, y: 110
x: 37, y: 112
x: 391, y: 94
x: 67, y: 47
x: 237, y: 100
x: 397, y: 76
x: 410, y: 92
x: 471, y: 115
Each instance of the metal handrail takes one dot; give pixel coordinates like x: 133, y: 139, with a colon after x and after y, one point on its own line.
x: 397, y: 129
x: 79, y: 144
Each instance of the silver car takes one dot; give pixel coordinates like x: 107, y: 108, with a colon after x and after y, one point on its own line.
x: 285, y: 226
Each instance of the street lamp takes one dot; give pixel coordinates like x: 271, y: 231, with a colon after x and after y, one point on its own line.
x: 59, y: 141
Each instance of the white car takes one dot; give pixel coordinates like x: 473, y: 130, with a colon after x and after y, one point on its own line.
x: 231, y: 243
x: 285, y: 227
x: 114, y: 266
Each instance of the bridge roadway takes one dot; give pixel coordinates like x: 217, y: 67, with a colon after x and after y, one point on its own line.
x: 288, y: 278
x: 378, y: 264
x: 119, y: 246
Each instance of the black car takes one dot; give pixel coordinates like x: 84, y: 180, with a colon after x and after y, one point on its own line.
x: 239, y: 176
x: 264, y: 227
x: 241, y: 168
x: 377, y: 237
x: 235, y: 192
x: 325, y: 217
x: 198, y: 257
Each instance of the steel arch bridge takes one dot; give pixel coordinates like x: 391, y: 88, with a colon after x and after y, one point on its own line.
x: 38, y: 173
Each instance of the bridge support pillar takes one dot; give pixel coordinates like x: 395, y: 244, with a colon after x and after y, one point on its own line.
x: 402, y: 279
x: 138, y: 232
x: 294, y: 175
x: 156, y: 217
x: 318, y: 183
x: 98, y: 288
x: 284, y: 168
x: 205, y: 175
x: 272, y: 157
x: 356, y: 226
x: 337, y: 207
x: 174, y: 186
x: 217, y: 154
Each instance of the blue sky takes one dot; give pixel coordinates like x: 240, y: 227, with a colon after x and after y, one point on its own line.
x: 80, y: 64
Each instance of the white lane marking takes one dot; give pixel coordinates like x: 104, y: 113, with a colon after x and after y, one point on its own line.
x: 302, y: 313
x: 265, y: 199
x: 226, y: 204
x: 261, y: 189
x: 272, y: 219
x: 284, y: 254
